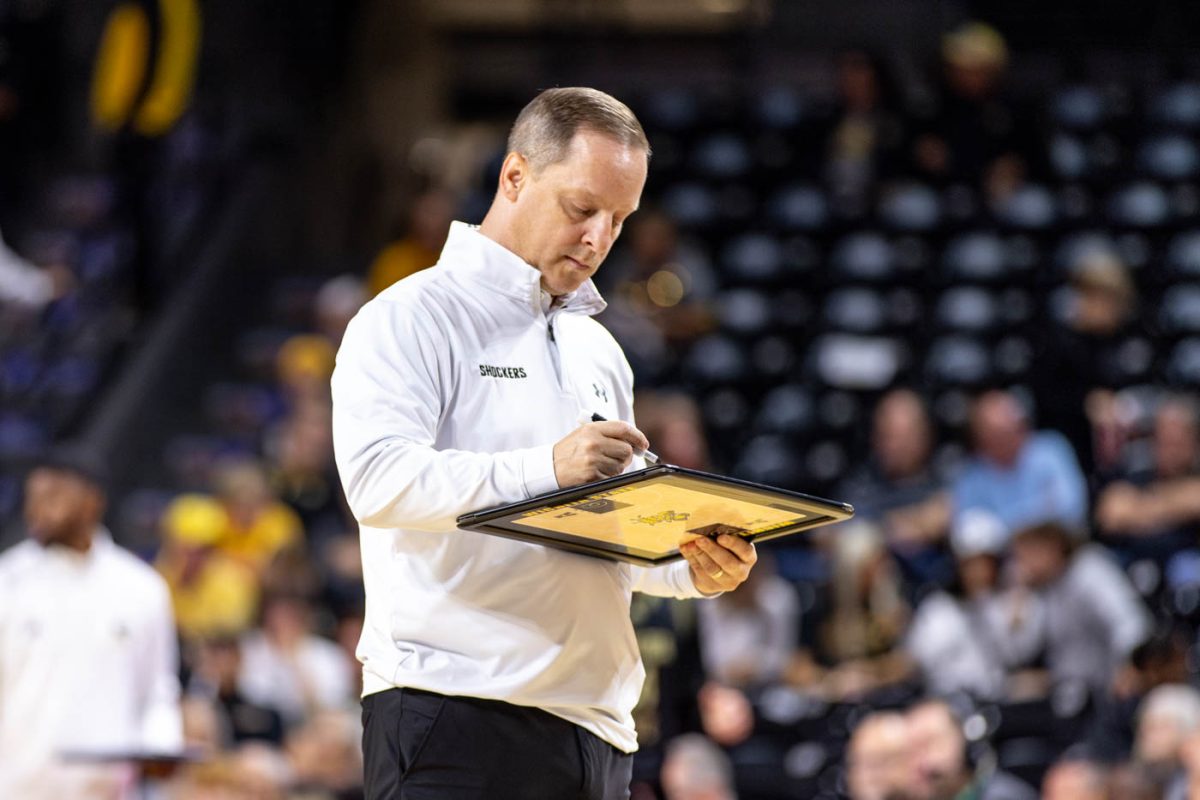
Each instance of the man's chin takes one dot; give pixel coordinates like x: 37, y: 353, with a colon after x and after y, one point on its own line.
x: 42, y: 538
x: 560, y: 287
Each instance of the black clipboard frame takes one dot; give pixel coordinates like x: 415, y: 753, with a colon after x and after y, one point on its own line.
x: 498, y: 521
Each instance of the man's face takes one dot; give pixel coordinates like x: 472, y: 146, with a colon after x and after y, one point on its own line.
x: 1037, y: 562
x: 1073, y: 781
x: 938, y: 769
x: 1175, y: 442
x: 1159, y: 738
x: 58, y: 504
x: 877, y: 760
x: 568, y: 215
x: 901, y: 436
x: 1000, y: 429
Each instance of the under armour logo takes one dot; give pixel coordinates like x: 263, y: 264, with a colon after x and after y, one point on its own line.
x: 601, y: 392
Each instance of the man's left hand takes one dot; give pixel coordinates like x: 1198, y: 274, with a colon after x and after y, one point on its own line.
x: 719, y: 565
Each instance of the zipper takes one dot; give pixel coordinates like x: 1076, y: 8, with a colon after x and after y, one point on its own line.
x: 554, y: 356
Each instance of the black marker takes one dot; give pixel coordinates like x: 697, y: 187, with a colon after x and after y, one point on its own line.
x: 649, y: 455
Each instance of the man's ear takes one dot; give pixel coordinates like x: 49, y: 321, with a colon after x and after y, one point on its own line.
x: 514, y: 174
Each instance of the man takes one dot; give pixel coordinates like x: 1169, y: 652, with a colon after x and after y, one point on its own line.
x: 1154, y: 514
x: 898, y: 490
x: 493, y: 668
x: 696, y: 769
x: 938, y: 764
x: 87, y: 646
x: 1169, y: 716
x: 1022, y: 477
x: 1075, y: 780
x: 1094, y: 618
x: 1083, y: 358
x: 877, y: 757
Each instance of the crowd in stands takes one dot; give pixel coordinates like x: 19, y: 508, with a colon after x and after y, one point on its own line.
x: 968, y: 314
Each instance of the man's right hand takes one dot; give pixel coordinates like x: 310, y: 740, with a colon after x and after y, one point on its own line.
x: 596, y: 450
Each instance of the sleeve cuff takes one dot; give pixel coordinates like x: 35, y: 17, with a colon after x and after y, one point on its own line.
x: 537, y: 470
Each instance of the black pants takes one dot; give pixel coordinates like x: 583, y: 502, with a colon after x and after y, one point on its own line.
x: 419, y: 745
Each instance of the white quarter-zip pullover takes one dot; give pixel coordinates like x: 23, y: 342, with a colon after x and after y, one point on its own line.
x: 88, y: 665
x: 451, y: 388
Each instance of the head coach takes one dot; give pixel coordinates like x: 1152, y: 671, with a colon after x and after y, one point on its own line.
x: 494, y: 668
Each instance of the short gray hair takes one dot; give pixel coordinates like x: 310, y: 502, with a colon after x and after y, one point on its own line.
x: 544, y: 128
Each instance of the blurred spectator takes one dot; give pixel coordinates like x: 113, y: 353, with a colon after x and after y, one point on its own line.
x: 325, y: 755
x: 338, y: 300
x: 286, y: 666
x: 726, y: 714
x: 1186, y: 785
x: 1161, y: 659
x: 974, y: 134
x: 26, y: 284
x: 659, y: 287
x: 867, y: 135
x: 303, y: 367
x: 211, y: 591
x: 1021, y: 477
x: 667, y: 629
x: 217, y: 665
x: 347, y: 632
x: 862, y: 634
x: 1094, y: 617
x: 748, y: 636
x: 939, y: 768
x: 1083, y: 357
x: 251, y: 772
x: 1169, y: 715
x: 666, y: 635
x: 964, y: 639
x: 302, y: 473
x: 672, y: 424
x: 896, y: 487
x: 1132, y: 781
x: 696, y: 769
x: 88, y: 654
x: 1154, y: 513
x: 259, y: 524
x: 203, y: 733
x: 1075, y: 780
x: 877, y: 757
x: 417, y: 247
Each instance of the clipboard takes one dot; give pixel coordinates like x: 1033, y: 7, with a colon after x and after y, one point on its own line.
x: 644, y: 517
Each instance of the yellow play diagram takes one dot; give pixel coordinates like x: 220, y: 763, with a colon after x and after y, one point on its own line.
x: 660, y: 514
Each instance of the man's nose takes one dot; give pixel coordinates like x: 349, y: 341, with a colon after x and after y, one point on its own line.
x: 598, y: 234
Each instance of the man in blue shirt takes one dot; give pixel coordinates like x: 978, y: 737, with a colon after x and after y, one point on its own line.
x: 1022, y: 476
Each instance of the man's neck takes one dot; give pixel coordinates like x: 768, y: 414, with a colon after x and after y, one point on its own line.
x: 494, y: 228
x: 76, y: 541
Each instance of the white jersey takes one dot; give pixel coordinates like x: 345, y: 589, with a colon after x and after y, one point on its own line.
x: 88, y: 665
x: 451, y: 388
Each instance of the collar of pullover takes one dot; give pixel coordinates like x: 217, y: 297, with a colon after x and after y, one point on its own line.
x: 477, y: 258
